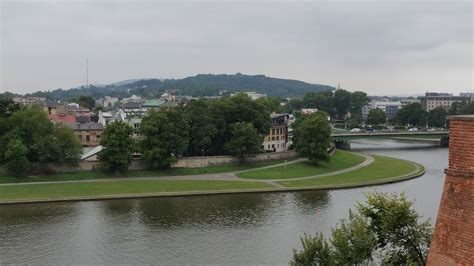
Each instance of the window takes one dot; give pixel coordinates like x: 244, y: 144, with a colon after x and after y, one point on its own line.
x: 273, y: 131
x: 273, y: 138
x: 278, y: 137
x: 268, y: 147
x: 88, y: 138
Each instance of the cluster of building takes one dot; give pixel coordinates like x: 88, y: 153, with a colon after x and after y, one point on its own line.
x: 429, y: 101
x: 89, y: 126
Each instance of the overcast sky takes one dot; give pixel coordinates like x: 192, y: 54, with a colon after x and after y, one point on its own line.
x: 383, y: 48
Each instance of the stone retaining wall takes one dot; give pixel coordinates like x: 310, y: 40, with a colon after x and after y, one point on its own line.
x: 189, y: 162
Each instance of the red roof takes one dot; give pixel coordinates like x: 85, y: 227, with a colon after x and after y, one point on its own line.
x: 62, y: 118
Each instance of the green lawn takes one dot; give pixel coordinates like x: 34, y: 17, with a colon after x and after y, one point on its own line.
x: 340, y: 160
x: 118, y: 187
x: 381, y: 168
x: 139, y: 173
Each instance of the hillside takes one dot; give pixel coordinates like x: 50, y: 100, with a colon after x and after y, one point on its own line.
x: 199, y: 85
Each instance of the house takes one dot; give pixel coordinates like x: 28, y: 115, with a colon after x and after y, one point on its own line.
x: 253, y: 95
x: 107, y: 117
x: 88, y: 134
x: 66, y: 119
x: 54, y: 108
x: 432, y: 100
x: 107, y: 101
x: 277, y: 139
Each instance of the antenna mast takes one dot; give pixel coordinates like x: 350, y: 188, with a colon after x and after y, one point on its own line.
x: 87, y: 72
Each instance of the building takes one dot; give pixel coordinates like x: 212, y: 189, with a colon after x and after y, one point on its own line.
x: 66, y: 119
x: 277, y: 139
x: 107, y: 101
x: 253, y: 95
x: 432, y: 100
x: 308, y: 111
x: 453, y: 239
x: 390, y: 108
x: 88, y: 134
x: 468, y: 95
x: 54, y: 108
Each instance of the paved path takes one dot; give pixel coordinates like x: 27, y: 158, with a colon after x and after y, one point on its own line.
x: 227, y: 176
x: 368, y: 160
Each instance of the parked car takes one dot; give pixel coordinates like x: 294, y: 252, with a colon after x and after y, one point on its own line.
x: 371, y: 130
x: 355, y: 130
x: 413, y: 129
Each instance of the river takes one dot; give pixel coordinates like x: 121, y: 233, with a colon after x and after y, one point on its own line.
x: 219, y: 229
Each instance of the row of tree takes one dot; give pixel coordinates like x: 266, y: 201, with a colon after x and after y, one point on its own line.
x: 232, y: 125
x: 27, y: 136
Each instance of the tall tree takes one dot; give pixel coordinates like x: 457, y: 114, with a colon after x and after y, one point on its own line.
x: 324, y: 101
x: 342, y: 101
x: 15, y: 156
x: 117, y: 147
x: 271, y: 104
x: 245, y: 140
x: 412, y: 114
x: 165, y: 137
x: 202, y: 127
x: 86, y: 101
x: 437, y: 117
x: 358, y: 100
x: 312, y: 137
x: 376, y: 117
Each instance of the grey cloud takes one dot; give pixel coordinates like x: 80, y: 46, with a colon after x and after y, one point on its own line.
x: 381, y: 47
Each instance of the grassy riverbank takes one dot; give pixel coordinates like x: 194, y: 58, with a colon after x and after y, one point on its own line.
x: 118, y: 187
x: 340, y: 160
x: 88, y: 175
x: 383, y: 168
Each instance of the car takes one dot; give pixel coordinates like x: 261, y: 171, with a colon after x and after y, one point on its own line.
x: 355, y: 130
x: 413, y: 129
x: 370, y: 130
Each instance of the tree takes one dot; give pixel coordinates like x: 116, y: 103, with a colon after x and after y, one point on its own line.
x: 202, y: 127
x: 437, y: 117
x: 358, y: 100
x: 324, y: 101
x: 165, y: 137
x: 271, y: 104
x: 294, y: 105
x: 312, y: 137
x: 15, y: 156
x: 342, y: 101
x: 352, y: 241
x: 245, y: 140
x: 396, y: 226
x: 376, y: 117
x: 386, y: 224
x: 86, y: 101
x: 7, y: 107
x: 117, y: 147
x: 315, y: 251
x: 412, y: 114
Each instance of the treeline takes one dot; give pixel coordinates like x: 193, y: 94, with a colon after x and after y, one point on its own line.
x: 27, y: 136
x: 229, y: 126
x: 197, y: 86
x: 336, y: 103
x: 414, y: 115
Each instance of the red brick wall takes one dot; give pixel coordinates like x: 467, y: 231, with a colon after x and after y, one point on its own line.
x: 453, y: 240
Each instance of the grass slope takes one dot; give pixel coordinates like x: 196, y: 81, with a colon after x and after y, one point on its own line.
x: 381, y: 168
x: 86, y: 175
x: 118, y: 187
x: 340, y: 160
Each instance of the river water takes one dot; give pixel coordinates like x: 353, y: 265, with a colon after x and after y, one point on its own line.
x: 219, y: 229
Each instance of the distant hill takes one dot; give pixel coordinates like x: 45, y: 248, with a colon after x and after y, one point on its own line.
x: 199, y: 85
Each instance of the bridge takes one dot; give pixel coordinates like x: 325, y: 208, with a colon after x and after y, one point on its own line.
x: 436, y: 137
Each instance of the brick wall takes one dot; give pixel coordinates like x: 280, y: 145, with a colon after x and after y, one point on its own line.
x: 453, y: 240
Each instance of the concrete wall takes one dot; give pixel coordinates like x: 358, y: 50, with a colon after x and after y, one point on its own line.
x: 190, y: 162
x: 453, y: 239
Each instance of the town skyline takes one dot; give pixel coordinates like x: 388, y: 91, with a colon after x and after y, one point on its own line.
x: 401, y: 49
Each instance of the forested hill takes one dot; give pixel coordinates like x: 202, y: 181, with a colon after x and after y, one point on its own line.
x: 199, y: 85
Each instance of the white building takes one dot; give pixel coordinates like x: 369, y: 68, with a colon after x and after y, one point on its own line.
x: 390, y: 108
x: 253, y: 95
x: 277, y: 139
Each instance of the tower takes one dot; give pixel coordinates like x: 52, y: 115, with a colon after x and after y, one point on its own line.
x: 453, y: 239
